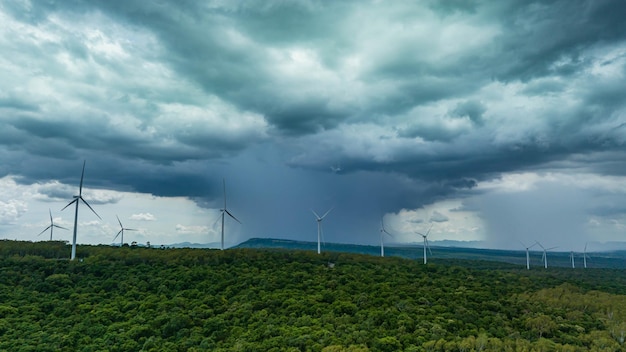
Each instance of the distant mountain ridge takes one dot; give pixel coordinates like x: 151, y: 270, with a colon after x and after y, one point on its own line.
x: 453, y: 250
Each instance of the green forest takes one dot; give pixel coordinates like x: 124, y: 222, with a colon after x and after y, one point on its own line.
x: 149, y: 299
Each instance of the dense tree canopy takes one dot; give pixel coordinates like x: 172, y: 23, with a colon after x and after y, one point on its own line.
x: 132, y: 299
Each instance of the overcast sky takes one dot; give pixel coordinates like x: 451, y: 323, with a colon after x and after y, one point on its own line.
x: 502, y: 121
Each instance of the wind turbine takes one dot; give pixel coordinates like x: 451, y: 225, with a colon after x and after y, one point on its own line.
x: 383, y: 231
x: 121, y: 232
x: 585, y: 256
x: 225, y: 212
x: 319, y: 227
x: 571, y: 257
x: 52, y: 225
x: 78, y: 199
x: 527, y: 254
x: 545, y: 254
x: 425, y: 236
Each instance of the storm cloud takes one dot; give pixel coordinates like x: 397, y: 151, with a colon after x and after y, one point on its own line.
x: 374, y: 108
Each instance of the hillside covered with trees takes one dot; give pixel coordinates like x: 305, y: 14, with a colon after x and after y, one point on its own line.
x: 142, y: 299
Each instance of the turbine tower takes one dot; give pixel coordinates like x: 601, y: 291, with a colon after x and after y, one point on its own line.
x: 78, y: 199
x: 225, y: 212
x: 52, y: 225
x: 319, y: 227
x: 121, y: 232
x: 571, y: 256
x: 425, y: 237
x: 585, y: 256
x: 527, y: 254
x: 544, y: 258
x: 383, y: 231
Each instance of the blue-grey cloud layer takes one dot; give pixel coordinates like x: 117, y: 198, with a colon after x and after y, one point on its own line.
x: 164, y: 97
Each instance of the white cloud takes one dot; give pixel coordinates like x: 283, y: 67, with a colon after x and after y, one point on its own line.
x: 438, y: 217
x: 458, y: 225
x: 11, y: 211
x: 182, y: 229
x: 143, y: 217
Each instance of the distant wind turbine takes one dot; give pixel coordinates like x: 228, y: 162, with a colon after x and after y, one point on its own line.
x: 121, y: 232
x: 425, y: 237
x: 527, y: 254
x: 383, y: 231
x: 585, y: 256
x: 319, y: 227
x: 52, y: 226
x: 545, y: 254
x: 571, y: 257
x: 224, y: 213
x: 78, y: 199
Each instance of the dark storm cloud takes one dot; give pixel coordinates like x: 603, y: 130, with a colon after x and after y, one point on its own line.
x: 474, y: 110
x: 448, y: 7
x: 416, y: 102
x: 17, y: 103
x: 204, y: 50
x: 549, y: 38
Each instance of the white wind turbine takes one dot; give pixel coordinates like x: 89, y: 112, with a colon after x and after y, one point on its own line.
x: 319, y: 227
x: 527, y: 254
x: 383, y: 231
x: 224, y: 213
x: 425, y: 237
x: 78, y: 199
x: 545, y: 254
x: 571, y: 257
x: 585, y: 256
x: 52, y: 226
x: 121, y: 232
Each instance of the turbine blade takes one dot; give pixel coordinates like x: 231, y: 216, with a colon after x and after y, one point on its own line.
x: 218, y: 218
x: 231, y: 215
x: 326, y: 213
x: 114, y: 238
x: 314, y: 213
x: 60, y: 227
x: 47, y: 228
x: 224, y: 184
x: 87, y: 204
x: 80, y: 188
x: 430, y: 228
x: 50, y: 211
x: 130, y: 229
x: 70, y: 203
x: 382, y: 227
x: 118, y: 220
